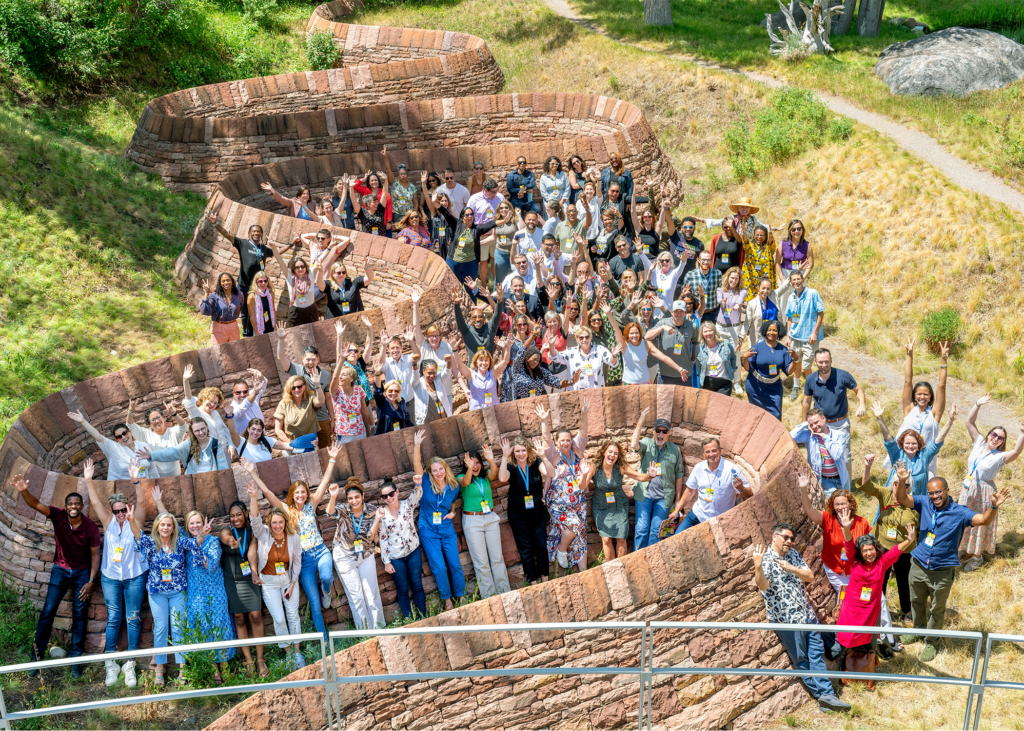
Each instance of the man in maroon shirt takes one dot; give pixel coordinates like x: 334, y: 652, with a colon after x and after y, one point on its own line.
x: 76, y: 565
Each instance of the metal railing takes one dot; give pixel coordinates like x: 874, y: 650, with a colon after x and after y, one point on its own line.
x: 645, y: 670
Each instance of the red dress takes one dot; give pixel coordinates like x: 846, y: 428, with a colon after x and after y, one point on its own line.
x: 862, y: 601
x: 833, y: 548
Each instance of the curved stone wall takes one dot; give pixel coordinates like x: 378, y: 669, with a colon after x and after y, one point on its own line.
x: 703, y: 574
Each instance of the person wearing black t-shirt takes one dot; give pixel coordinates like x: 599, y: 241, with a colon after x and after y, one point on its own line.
x: 526, y: 472
x: 725, y: 248
x: 253, y: 255
x: 369, y: 214
x: 690, y: 246
x: 342, y: 292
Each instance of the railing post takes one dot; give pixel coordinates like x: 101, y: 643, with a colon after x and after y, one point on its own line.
x: 646, y: 673
x: 643, y: 662
x: 981, y: 686
x: 5, y: 725
x: 325, y: 686
x: 333, y: 688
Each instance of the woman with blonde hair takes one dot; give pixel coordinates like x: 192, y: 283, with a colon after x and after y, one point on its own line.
x: 528, y: 477
x: 732, y: 300
x: 200, y: 452
x: 436, y: 529
x: 168, y: 553
x: 317, y: 575
x: 262, y: 304
x: 429, y: 345
x: 717, y: 361
x: 342, y: 292
x: 206, y: 599
x: 354, y: 553
x: 295, y: 416
x: 610, y: 503
x: 480, y: 378
x: 392, y: 413
x: 279, y: 565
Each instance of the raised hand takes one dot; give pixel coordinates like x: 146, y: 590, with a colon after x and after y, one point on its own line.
x: 803, y: 478
x: 211, y: 218
x: 584, y: 465
x: 944, y: 350
x: 334, y: 450
x: 248, y: 466
x: 644, y: 412
x: 540, y: 445
x: 909, y: 347
x: 984, y: 399
x: 188, y: 372
x: 542, y: 413
x: 953, y: 413
x: 133, y: 468
x: 334, y: 489
x: 758, y: 555
x: 1000, y: 497
x: 469, y: 462
x: 366, y: 321
x: 846, y: 517
x: 415, y: 296
x: 506, y: 448
x: 877, y: 409
x: 130, y: 515
x: 250, y: 488
x: 156, y: 492
x: 869, y: 459
x: 142, y: 452
x: 902, y: 473
x: 339, y: 328
x: 911, y: 531
x: 266, y: 186
x: 488, y: 454
x: 76, y: 416
x: 410, y: 336
x: 87, y: 471
x: 418, y: 437
x: 19, y: 483
x: 584, y: 407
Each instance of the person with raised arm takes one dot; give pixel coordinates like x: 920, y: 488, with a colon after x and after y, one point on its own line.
x: 828, y: 390
x: 168, y: 552
x: 244, y: 404
x: 392, y: 413
x: 780, y: 574
x: 805, y: 317
x: 76, y: 565
x: 279, y: 565
x: 354, y: 555
x: 923, y: 406
x: 479, y: 379
x: 122, y: 572
x: 119, y: 451
x: 253, y: 256
x: 480, y: 522
x: 988, y: 456
x: 199, y: 451
x: 429, y: 345
x: 400, y: 545
x: 610, y: 502
x: 223, y: 304
x: 352, y: 417
x: 436, y: 529
x: 766, y: 364
x: 317, y: 575
x: 238, y: 559
x: 163, y: 431
x: 299, y: 206
x: 586, y: 361
x: 911, y: 448
x: 478, y: 334
x: 528, y: 476
x: 206, y: 600
x: 934, y: 560
x: 793, y: 255
x: 567, y: 534
x: 397, y: 366
x: 429, y: 401
x: 342, y: 291
x: 205, y: 405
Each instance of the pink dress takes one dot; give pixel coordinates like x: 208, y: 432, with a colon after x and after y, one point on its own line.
x: 348, y: 413
x: 862, y: 600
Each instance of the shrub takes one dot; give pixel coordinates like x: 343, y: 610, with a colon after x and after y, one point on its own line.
x: 940, y: 326
x: 259, y: 11
x: 198, y: 669
x: 320, y: 50
x: 793, y: 121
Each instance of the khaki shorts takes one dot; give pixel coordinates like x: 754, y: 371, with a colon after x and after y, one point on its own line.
x: 806, y: 351
x: 487, y: 244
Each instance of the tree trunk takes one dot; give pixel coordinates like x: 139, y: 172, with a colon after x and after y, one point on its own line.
x: 841, y: 26
x: 869, y: 19
x: 658, y: 12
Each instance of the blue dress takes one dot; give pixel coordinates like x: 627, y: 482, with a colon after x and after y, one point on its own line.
x: 206, y: 600
x: 771, y: 364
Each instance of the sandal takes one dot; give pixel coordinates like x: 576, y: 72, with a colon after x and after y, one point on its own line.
x: 249, y: 668
x: 264, y: 670
x: 159, y: 679
x: 217, y: 679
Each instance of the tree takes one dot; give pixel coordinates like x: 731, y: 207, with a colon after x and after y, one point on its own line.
x: 842, y: 24
x: 658, y: 12
x: 869, y: 17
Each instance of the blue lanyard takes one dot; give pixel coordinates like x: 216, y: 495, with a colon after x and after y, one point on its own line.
x: 358, y: 527
x: 479, y: 482
x: 526, y: 480
x: 571, y: 461
x: 971, y: 470
x: 241, y: 540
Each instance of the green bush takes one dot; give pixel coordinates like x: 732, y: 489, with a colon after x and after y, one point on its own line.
x: 260, y: 12
x: 793, y: 122
x: 940, y: 326
x: 320, y: 50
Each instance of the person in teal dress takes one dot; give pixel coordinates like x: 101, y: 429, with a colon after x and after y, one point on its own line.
x: 206, y: 599
x: 767, y: 363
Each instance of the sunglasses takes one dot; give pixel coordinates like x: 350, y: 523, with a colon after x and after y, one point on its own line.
x: 297, y: 388
x: 661, y: 431
x: 120, y: 511
x: 387, y: 495
x: 447, y: 178
x: 478, y: 167
x: 122, y: 435
x: 520, y: 162
x: 353, y: 351
x: 262, y: 281
x: 241, y: 392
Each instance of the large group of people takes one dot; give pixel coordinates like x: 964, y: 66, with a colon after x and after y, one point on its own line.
x: 573, y: 282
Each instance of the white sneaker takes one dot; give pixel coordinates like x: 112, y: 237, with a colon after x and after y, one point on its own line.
x: 737, y: 389
x: 563, y: 559
x: 129, y: 674
x: 113, y: 670
x: 325, y: 599
x: 974, y: 564
x: 794, y: 394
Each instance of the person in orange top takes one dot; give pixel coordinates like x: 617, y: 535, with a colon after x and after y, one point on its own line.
x: 833, y: 545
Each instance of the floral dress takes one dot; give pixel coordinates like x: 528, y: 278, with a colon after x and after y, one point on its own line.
x: 402, y: 197
x: 206, y: 601
x: 419, y: 236
x: 612, y: 374
x: 507, y: 389
x: 758, y: 262
x: 398, y: 535
x: 348, y: 413
x: 567, y: 508
x: 976, y: 493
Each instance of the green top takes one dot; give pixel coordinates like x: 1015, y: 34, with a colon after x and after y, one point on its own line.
x: 672, y: 466
x: 463, y: 250
x: 477, y: 490
x: 564, y: 235
x: 893, y: 518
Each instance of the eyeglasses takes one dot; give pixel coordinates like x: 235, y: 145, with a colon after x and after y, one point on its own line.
x: 797, y: 228
x: 241, y: 392
x: 388, y: 495
x: 661, y: 431
x: 787, y: 539
x: 936, y: 494
x: 447, y: 178
x: 119, y: 511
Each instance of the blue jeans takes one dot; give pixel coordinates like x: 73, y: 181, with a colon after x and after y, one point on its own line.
x: 61, y: 581
x: 502, y: 266
x: 409, y: 574
x: 316, y: 561
x: 120, y: 595
x: 650, y: 514
x: 807, y: 651
x: 461, y: 271
x: 168, y: 615
x: 526, y: 206
x: 830, y: 485
x: 688, y: 522
x: 442, y: 551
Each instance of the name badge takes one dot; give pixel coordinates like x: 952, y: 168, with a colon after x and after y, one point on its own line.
x: 609, y: 497
x: 533, y: 391
x: 479, y: 348
x: 661, y: 292
x: 440, y: 230
x: 306, y: 540
x: 929, y: 540
x: 773, y: 370
x: 357, y: 545
x: 842, y: 594
x: 396, y: 426
x: 440, y: 406
x: 462, y: 243
x: 890, y: 533
x: 352, y: 418
x: 279, y: 568
x: 488, y: 398
x: 865, y: 593
x: 725, y: 258
x: 503, y: 240
x: 529, y: 502
x: 678, y: 348
x: 246, y: 569
x: 345, y: 307
x: 374, y: 230
x: 647, y: 250
x: 522, y: 189
x: 967, y: 483
x: 842, y: 555
x: 266, y: 316
x: 118, y: 550
x: 709, y: 494
x: 588, y: 369
x: 437, y: 517
x: 165, y: 574
x: 485, y: 508
x: 657, y: 468
x: 795, y: 317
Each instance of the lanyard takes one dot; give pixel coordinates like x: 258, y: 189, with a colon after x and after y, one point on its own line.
x: 241, y: 540
x: 571, y: 461
x: 921, y: 417
x: 479, y: 482
x: 358, y: 527
x: 705, y: 281
x: 971, y: 470
x: 526, y: 479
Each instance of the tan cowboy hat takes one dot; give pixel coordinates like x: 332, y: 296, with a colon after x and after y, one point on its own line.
x: 744, y: 202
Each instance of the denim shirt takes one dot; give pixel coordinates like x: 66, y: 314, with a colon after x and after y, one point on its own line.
x: 726, y: 352
x: 515, y: 181
x: 835, y: 442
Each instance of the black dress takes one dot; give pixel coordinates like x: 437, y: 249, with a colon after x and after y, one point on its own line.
x: 243, y: 596
x: 345, y: 299
x: 529, y: 524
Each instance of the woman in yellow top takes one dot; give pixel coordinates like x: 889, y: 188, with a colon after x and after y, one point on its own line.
x: 759, y: 260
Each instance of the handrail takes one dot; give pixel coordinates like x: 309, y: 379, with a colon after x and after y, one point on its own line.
x: 644, y: 671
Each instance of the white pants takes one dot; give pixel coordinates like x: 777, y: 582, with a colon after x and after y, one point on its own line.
x: 360, y: 581
x: 483, y: 537
x: 653, y: 371
x: 783, y: 292
x: 282, y: 609
x: 839, y: 582
x: 735, y: 336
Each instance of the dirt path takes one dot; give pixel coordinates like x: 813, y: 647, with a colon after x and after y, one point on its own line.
x: 959, y: 171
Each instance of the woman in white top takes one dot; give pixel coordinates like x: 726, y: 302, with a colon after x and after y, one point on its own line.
x: 662, y: 276
x: 585, y: 361
x: 256, y: 444
x: 123, y: 571
x: 729, y: 323
x: 395, y: 365
x: 119, y: 451
x: 987, y: 457
x: 330, y: 216
x: 554, y: 184
x: 159, y: 435
x: 205, y: 406
x: 430, y: 401
x: 590, y: 199
x: 428, y: 345
x: 923, y: 407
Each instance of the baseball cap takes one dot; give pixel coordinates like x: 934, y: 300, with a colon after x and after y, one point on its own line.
x: 679, y: 305
x: 662, y: 424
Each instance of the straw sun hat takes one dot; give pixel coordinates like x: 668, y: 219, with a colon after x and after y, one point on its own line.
x: 744, y: 202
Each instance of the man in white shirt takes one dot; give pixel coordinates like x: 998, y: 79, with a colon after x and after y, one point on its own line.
x: 457, y: 193
x: 244, y: 405
x: 398, y: 367
x: 528, y: 240
x: 523, y: 269
x: 712, y: 488
x: 554, y: 260
x: 826, y: 449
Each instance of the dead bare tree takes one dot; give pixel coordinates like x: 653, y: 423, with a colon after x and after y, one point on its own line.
x: 814, y: 38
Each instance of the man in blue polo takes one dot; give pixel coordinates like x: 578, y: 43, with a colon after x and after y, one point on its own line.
x: 805, y: 315
x: 934, y: 562
x: 826, y: 390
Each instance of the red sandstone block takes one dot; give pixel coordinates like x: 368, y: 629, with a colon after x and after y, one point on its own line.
x: 160, y: 374
x: 233, y: 356
x: 780, y: 453
x: 357, y: 461
x: 111, y: 390
x: 447, y: 437
x: 761, y: 516
x: 260, y: 355
x: 302, y: 125
x: 393, y: 250
x: 472, y: 430
x: 595, y: 594
x: 89, y: 396
x: 41, y: 425
x: 377, y: 244
x: 507, y: 415
x: 401, y: 448
x: 749, y: 427
x: 412, y: 118
x: 59, y: 412
x: 528, y: 419
x: 638, y: 576
x: 621, y: 407
x: 380, y: 460
x: 207, y: 494
x: 761, y: 443
x: 395, y: 118
x: 541, y: 606
x: 736, y: 526
x: 595, y: 421
x: 274, y: 474
x: 326, y: 338
x: 405, y: 255
x: 136, y: 382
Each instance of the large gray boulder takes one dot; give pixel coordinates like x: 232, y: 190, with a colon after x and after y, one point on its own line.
x: 951, y: 62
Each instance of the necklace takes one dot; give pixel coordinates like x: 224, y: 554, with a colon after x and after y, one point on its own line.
x: 279, y: 543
